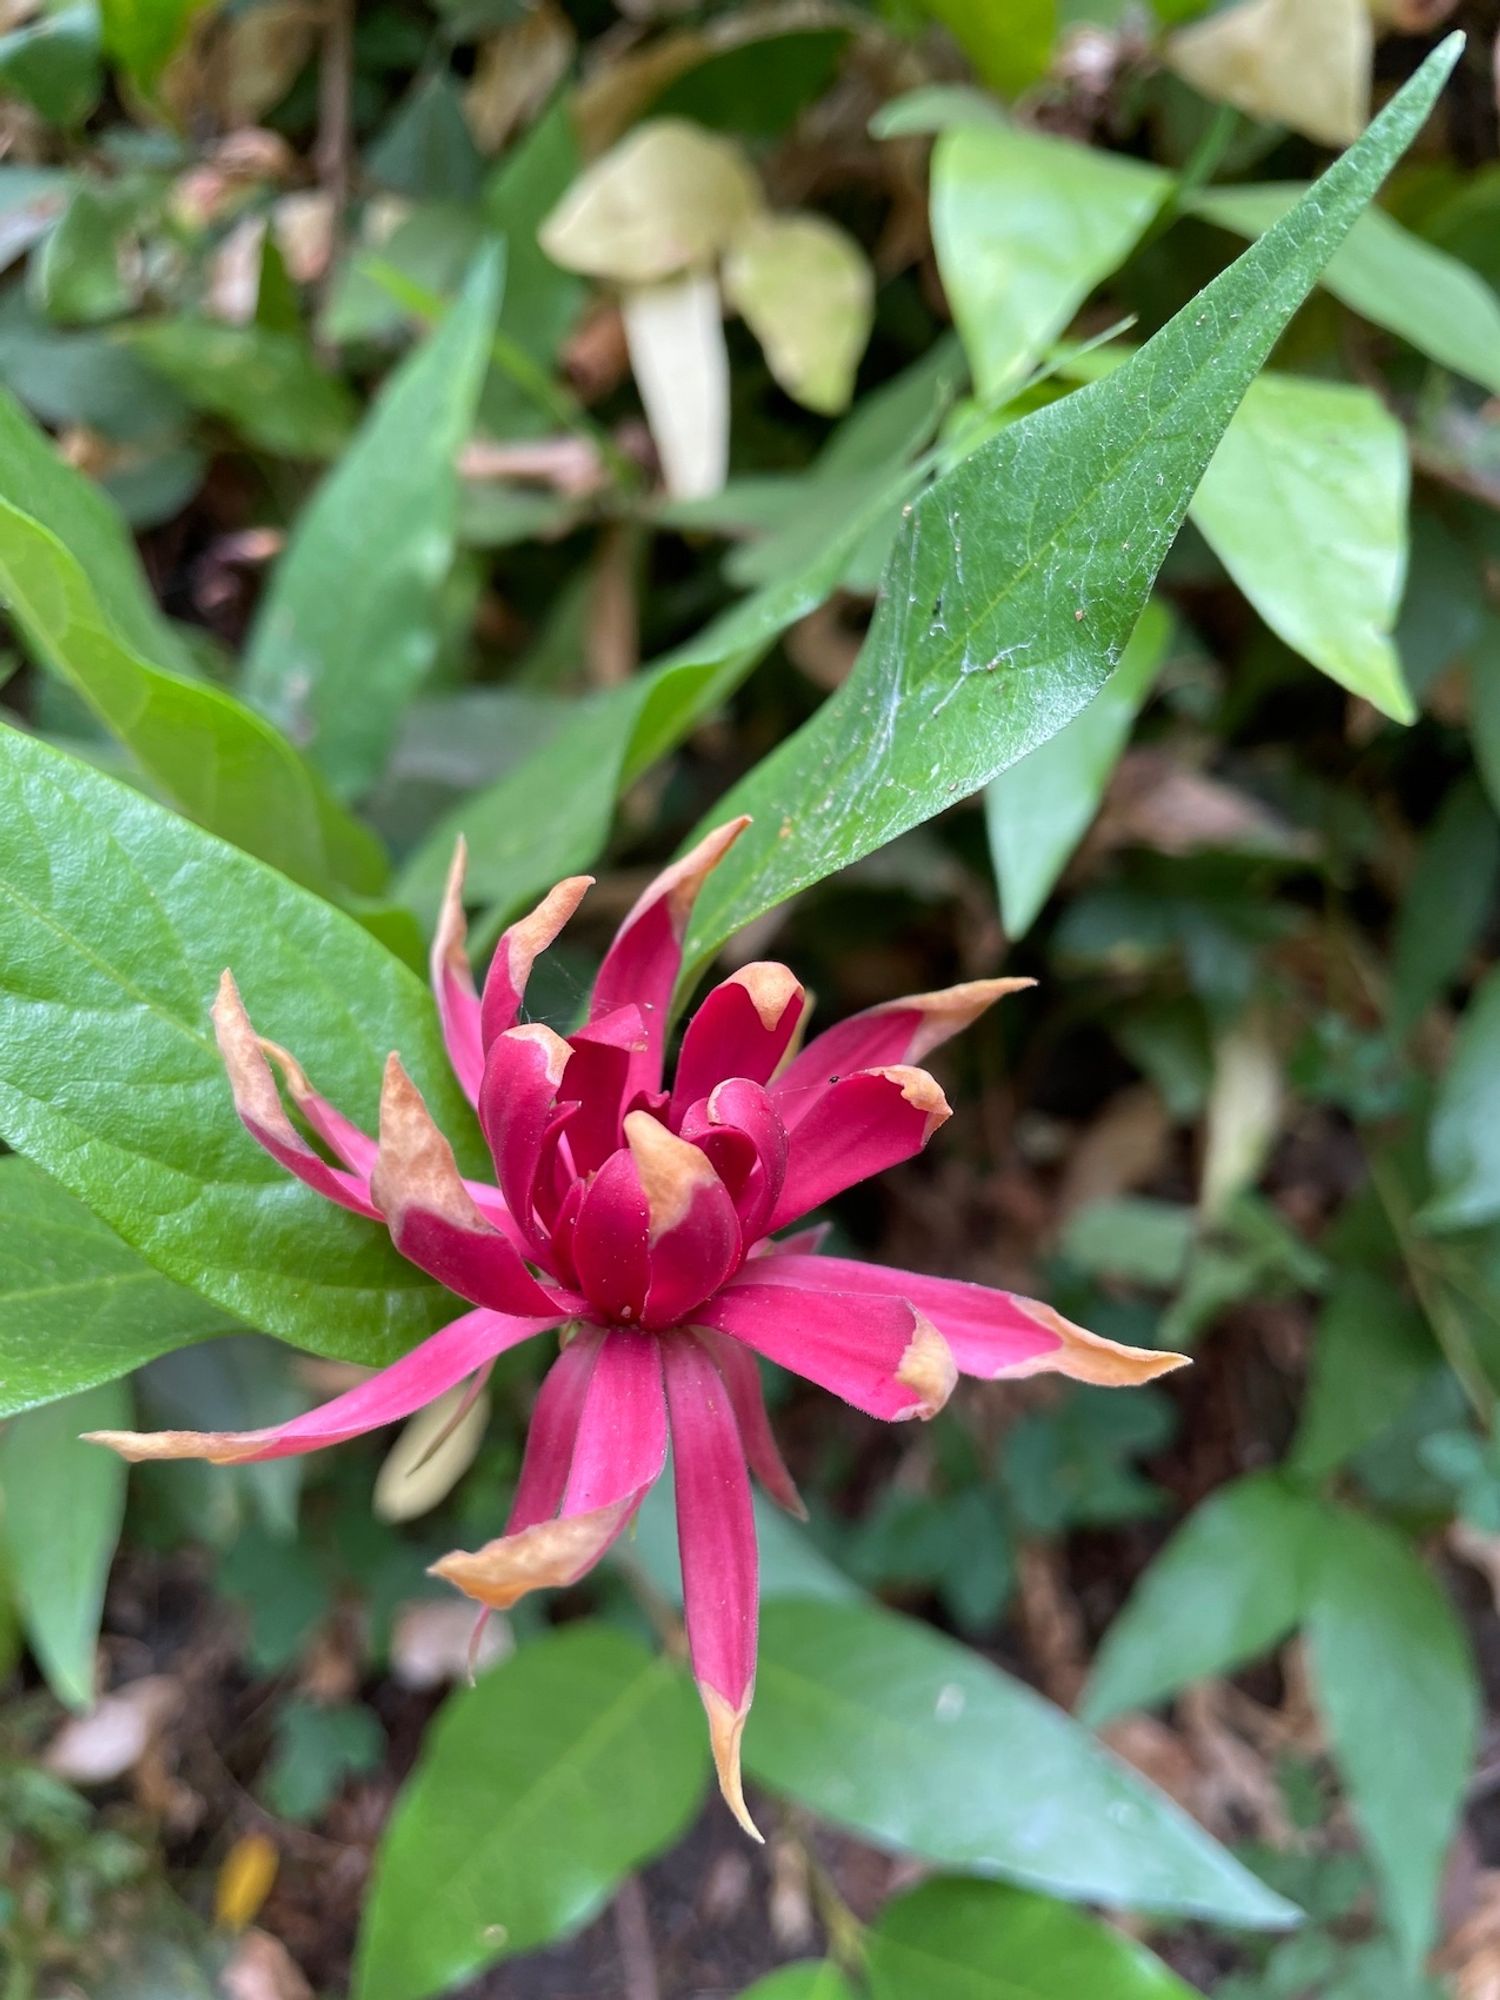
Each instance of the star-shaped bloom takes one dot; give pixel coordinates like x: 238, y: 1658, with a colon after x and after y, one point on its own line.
x: 645, y: 1221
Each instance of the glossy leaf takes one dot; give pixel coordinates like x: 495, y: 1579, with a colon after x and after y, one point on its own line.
x: 61, y: 1503
x: 1396, y: 1685
x: 1464, y: 1137
x: 349, y: 627
x: 537, y: 1791
x: 268, y: 385
x: 882, y: 1725
x: 1387, y: 275
x: 1037, y: 812
x: 216, y: 760
x: 116, y: 919
x: 1305, y: 506
x: 78, y: 1306
x: 954, y: 1940
x: 1024, y: 227
x: 1018, y: 578
x: 1229, y: 1585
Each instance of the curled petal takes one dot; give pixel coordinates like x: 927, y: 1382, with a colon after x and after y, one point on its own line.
x: 716, y: 1540
x: 517, y: 1108
x: 642, y: 964
x: 418, y: 1378
x: 741, y: 1132
x: 693, y: 1238
x: 619, y: 1448
x: 453, y: 980
x: 743, y: 1028
x: 262, y: 1113
x: 860, y: 1125
x: 339, y: 1134
x: 880, y: 1354
x: 993, y: 1335
x: 742, y: 1379
x: 519, y: 949
x: 432, y: 1217
x: 897, y: 1031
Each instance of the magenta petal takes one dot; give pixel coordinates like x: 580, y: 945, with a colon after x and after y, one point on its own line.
x: 518, y: 950
x: 736, y: 1364
x: 716, y: 1539
x: 610, y: 1243
x: 743, y: 1028
x: 517, y: 1108
x: 861, y: 1125
x: 693, y: 1238
x: 600, y: 1080
x: 880, y: 1354
x: 437, y: 1365
x: 746, y: 1109
x: 553, y: 1432
x: 339, y: 1134
x: 263, y: 1115
x: 453, y: 981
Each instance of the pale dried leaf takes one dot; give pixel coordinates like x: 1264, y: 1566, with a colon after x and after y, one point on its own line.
x: 1244, y: 1109
x: 263, y: 1969
x: 434, y: 1451
x: 807, y: 293
x: 1123, y: 1148
x: 676, y: 338
x: 432, y: 1642
x: 1303, y: 63
x: 116, y: 1733
x: 516, y: 72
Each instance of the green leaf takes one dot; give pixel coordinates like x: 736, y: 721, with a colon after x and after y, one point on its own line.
x: 1396, y: 1684
x: 1446, y: 908
x: 61, y: 1502
x: 952, y: 1940
x: 1018, y: 578
x: 1388, y: 276
x: 1037, y: 812
x: 537, y: 1791
x: 317, y: 1748
x: 85, y: 270
x: 268, y: 385
x: 218, y: 761
x: 1025, y: 227
x: 116, y: 919
x: 1371, y: 1354
x: 1009, y: 46
x: 808, y: 1979
x: 53, y: 62
x: 78, y: 1306
x: 1304, y: 503
x: 1463, y: 1141
x: 350, y: 625
x: 1229, y: 1585
x: 142, y: 36
x: 883, y: 1725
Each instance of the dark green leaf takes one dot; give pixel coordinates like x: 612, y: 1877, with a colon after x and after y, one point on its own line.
x: 953, y: 1940
x: 1008, y: 46
x: 1447, y: 904
x: 1019, y: 577
x: 882, y: 1725
x: 317, y: 1748
x: 268, y: 385
x: 1371, y: 1354
x: 349, y: 628
x: 1230, y: 1584
x: 537, y: 1790
x: 1464, y: 1141
x: 809, y: 1979
x: 78, y: 1306
x: 142, y: 36
x: 116, y: 919
x: 60, y: 1507
x: 1395, y: 1681
x: 53, y: 62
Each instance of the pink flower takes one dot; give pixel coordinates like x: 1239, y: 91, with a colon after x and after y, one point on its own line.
x: 644, y: 1220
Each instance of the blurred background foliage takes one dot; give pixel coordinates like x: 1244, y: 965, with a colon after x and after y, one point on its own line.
x: 492, y: 415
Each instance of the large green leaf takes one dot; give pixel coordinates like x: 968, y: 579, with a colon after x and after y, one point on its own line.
x: 1396, y: 1684
x: 809, y: 1979
x: 1388, y: 276
x: 350, y: 625
x: 60, y: 1507
x: 1230, y: 1584
x: 1304, y: 503
x: 217, y: 760
x: 885, y: 1726
x: 78, y: 1306
x: 1024, y: 228
x: 1018, y: 578
x: 1038, y: 811
x: 116, y: 919
x: 952, y: 1940
x: 1464, y: 1141
x: 267, y: 384
x: 537, y: 1791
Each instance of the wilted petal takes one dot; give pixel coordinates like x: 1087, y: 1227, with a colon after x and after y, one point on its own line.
x: 619, y: 1448
x: 742, y: 1379
x: 992, y: 1334
x: 517, y: 1109
x: 430, y: 1369
x: 693, y: 1238
x: 453, y: 981
x: 880, y: 1354
x: 897, y: 1031
x: 642, y: 964
x: 262, y: 1113
x: 743, y: 1028
x: 431, y: 1215
x: 518, y: 950
x: 716, y: 1539
x: 859, y: 1126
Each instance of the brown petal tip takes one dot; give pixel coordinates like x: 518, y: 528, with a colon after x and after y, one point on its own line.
x: 771, y: 989
x: 951, y: 1009
x: 251, y: 1083
x: 545, y: 1557
x: 558, y: 1052
x: 415, y: 1167
x: 218, y: 1447
x: 726, y: 1725
x: 672, y: 1170
x: 928, y: 1368
x: 450, y: 940
x: 1089, y: 1357
x: 680, y: 882
x: 528, y: 937
x: 922, y: 1090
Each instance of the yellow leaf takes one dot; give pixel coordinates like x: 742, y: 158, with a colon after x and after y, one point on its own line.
x: 1303, y: 63
x: 434, y: 1451
x: 245, y: 1880
x: 807, y: 293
